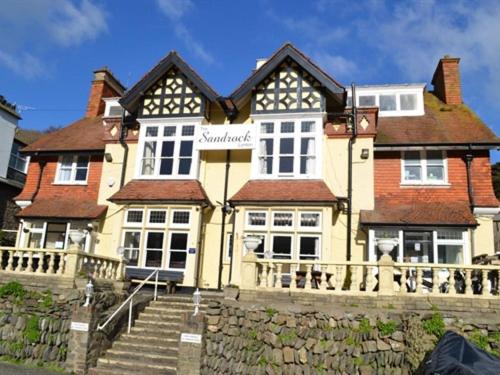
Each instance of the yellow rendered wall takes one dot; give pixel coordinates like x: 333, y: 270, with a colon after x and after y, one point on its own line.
x: 483, y: 236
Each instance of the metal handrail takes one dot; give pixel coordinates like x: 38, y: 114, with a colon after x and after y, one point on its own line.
x: 130, y: 301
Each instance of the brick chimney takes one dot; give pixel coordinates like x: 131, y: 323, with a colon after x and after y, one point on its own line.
x: 446, y: 80
x: 104, y: 85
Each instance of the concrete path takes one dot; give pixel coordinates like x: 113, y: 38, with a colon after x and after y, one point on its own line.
x: 11, y: 369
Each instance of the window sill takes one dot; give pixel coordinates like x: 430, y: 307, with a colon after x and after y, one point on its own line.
x: 425, y: 185
x: 70, y: 183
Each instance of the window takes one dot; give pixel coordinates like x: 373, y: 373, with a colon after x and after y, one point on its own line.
x: 288, y: 149
x: 282, y: 247
x: 154, y: 249
x: 450, y: 246
x: 283, y: 220
x: 178, y: 250
x: 424, y: 167
x: 167, y: 151
x: 17, y: 161
x: 134, y: 217
x: 55, y: 237
x: 180, y: 218
x: 366, y: 100
x: 73, y: 169
x: 256, y: 219
x: 157, y: 217
x: 418, y: 247
x: 387, y: 102
x: 229, y: 246
x: 131, y: 246
x: 408, y: 102
x: 310, y: 220
x: 309, y: 248
x: 387, y: 233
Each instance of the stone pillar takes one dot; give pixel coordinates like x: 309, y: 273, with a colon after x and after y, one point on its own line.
x: 386, y: 276
x: 71, y: 265
x: 249, y: 271
x: 190, y: 344
x: 79, y: 337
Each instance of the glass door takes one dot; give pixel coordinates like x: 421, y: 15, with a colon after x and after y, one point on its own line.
x: 418, y: 247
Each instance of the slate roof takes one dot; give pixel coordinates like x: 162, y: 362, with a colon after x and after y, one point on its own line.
x: 389, y: 212
x: 86, y: 134
x: 442, y: 124
x: 186, y: 191
x: 284, y: 192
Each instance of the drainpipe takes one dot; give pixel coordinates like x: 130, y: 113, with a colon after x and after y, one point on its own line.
x: 231, y: 113
x: 352, y: 139
x: 123, y: 133
x: 470, y: 190
x: 42, y: 164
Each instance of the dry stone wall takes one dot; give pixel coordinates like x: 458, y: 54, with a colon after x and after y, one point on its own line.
x: 293, y: 339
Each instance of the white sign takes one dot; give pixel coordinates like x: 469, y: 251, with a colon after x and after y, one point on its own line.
x: 78, y: 326
x: 191, y: 338
x: 225, y: 137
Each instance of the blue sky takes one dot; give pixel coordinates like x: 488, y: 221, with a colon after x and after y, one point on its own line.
x: 52, y: 46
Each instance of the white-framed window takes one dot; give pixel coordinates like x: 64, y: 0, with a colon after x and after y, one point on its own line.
x: 288, y: 148
x: 229, y: 246
x: 131, y: 245
x: 424, y: 167
x: 112, y: 108
x: 134, y: 217
x: 167, y: 151
x: 18, y: 161
x: 256, y: 220
x: 281, y: 246
x: 157, y: 217
x: 180, y: 218
x: 154, y: 249
x: 53, y: 234
x: 283, y: 220
x: 309, y: 247
x: 310, y: 221
x: 177, y: 250
x: 72, y: 169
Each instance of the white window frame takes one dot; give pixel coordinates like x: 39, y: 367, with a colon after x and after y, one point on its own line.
x: 423, y: 167
x: 256, y: 227
x: 283, y: 229
x: 168, y: 250
x: 292, y: 245
x: 309, y: 229
x: 72, y: 180
x: 159, y: 139
x: 111, y: 102
x: 180, y: 225
x: 128, y: 224
x: 156, y: 225
x: 317, y: 235
x: 133, y: 230
x: 297, y: 135
x: 145, y: 249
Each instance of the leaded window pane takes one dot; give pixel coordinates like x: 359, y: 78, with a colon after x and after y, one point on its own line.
x: 188, y: 130
x: 307, y: 126
x: 157, y: 217
x: 257, y: 219
x: 267, y: 128
x: 284, y: 219
x: 134, y: 216
x: 287, y: 127
x: 152, y: 131
x: 169, y: 131
x: 180, y: 217
x: 309, y: 220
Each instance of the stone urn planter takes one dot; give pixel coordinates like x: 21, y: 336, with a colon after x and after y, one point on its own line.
x: 251, y: 243
x: 386, y: 245
x: 77, y: 236
x: 231, y: 292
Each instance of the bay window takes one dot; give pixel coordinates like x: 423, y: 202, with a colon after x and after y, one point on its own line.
x: 288, y: 149
x: 72, y: 169
x: 53, y: 235
x: 424, y: 167
x: 154, y: 249
x: 131, y: 246
x: 167, y: 151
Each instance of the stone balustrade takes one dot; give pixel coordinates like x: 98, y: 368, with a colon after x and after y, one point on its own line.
x: 384, y: 277
x: 65, y: 263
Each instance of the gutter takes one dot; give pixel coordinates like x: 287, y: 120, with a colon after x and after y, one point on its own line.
x: 434, y: 146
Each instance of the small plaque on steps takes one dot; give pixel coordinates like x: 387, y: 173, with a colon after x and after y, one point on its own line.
x: 78, y: 326
x: 191, y: 338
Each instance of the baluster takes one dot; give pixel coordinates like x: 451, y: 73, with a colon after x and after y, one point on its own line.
x: 354, y: 279
x: 278, y: 284
x: 29, y: 266
x: 323, y: 285
x: 41, y: 256
x: 51, y: 264
x: 419, y: 280
x: 293, y: 276
x: 62, y: 263
x: 103, y: 269
x: 339, y: 280
x: 435, y: 281
x: 451, y: 289
x: 10, y: 262
x: 485, y: 283
x: 270, y: 276
x: 20, y: 261
x: 402, y: 289
x: 109, y: 270
x: 307, y: 284
x: 263, y: 276
x: 468, y: 282
x: 368, y: 279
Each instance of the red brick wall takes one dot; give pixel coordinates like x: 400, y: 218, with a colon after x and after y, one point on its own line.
x: 388, y: 180
x: 98, y: 91
x: 50, y: 190
x: 447, y: 81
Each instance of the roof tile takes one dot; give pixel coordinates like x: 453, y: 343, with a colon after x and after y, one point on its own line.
x: 63, y: 208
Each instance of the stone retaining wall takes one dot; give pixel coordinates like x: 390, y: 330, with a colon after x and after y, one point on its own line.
x: 244, y: 338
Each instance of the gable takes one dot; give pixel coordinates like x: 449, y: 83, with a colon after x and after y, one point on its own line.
x: 173, y: 95
x: 288, y: 89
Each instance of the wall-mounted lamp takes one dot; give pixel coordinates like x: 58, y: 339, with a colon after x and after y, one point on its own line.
x: 365, y: 153
x: 349, y: 123
x: 108, y: 157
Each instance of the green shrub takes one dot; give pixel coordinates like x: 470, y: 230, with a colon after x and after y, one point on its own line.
x: 288, y: 337
x: 32, y: 332
x: 364, y: 326
x: 46, y: 301
x: 271, y: 312
x: 12, y: 288
x: 388, y: 328
x: 480, y: 340
x: 435, y: 325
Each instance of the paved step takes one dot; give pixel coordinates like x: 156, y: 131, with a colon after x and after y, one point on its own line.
x: 158, y: 324
x: 140, y: 367
x: 169, y: 348
x: 157, y: 359
x: 137, y: 337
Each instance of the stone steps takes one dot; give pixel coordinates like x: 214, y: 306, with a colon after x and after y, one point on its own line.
x: 151, y: 347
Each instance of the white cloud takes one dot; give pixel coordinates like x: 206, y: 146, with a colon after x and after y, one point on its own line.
x: 35, y: 27
x: 175, y: 10
x: 337, y: 65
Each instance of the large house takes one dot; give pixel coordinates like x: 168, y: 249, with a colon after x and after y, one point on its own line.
x: 174, y: 176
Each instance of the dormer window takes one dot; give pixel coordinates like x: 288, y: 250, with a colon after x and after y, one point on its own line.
x: 167, y: 151
x: 113, y: 108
